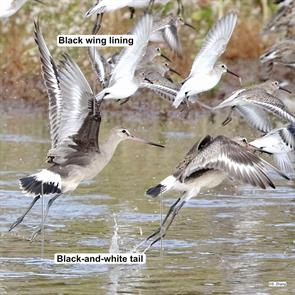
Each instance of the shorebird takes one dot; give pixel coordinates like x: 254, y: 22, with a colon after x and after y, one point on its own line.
x: 280, y: 143
x: 206, y: 73
x: 206, y: 165
x: 123, y: 82
x: 282, y: 53
x: 165, y: 30
x: 10, y: 7
x: 283, y: 19
x: 74, y: 116
x: 252, y: 103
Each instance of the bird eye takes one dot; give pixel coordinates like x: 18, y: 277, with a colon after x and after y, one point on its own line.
x: 124, y: 131
x: 244, y: 140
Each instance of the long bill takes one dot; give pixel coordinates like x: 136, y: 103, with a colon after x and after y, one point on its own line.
x: 137, y: 139
x: 234, y: 74
x: 284, y: 89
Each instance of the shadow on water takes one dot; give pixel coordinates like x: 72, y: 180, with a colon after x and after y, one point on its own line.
x: 229, y: 240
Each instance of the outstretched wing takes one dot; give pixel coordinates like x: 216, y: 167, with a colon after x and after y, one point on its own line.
x: 86, y: 139
x: 215, y: 44
x: 236, y: 161
x: 51, y: 79
x: 99, y: 65
x: 69, y: 93
x: 131, y: 56
x: 255, y: 117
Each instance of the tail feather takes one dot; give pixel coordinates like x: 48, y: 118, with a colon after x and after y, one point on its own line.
x: 162, y: 187
x: 32, y: 184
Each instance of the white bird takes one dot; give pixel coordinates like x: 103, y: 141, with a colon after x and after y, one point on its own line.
x: 10, y: 7
x: 205, y: 73
x: 280, y: 143
x: 104, y: 6
x: 123, y: 82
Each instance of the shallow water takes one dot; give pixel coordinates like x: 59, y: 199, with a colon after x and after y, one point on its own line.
x: 230, y: 240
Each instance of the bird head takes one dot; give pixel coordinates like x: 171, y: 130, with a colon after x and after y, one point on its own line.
x: 125, y: 134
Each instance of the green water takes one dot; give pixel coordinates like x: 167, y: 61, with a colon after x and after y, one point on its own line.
x: 230, y: 240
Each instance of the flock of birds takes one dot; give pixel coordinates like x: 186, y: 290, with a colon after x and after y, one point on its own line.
x: 77, y: 154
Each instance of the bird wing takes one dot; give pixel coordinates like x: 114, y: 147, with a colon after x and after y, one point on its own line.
x: 52, y: 82
x: 131, y: 56
x: 215, y: 44
x: 86, y: 139
x: 170, y: 35
x: 163, y: 90
x: 272, y: 104
x: 99, y: 65
x: 255, y: 117
x: 76, y: 93
x: 236, y: 161
x: 288, y: 135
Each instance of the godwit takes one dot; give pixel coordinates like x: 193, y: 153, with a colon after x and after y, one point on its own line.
x: 10, y: 7
x: 205, y: 73
x: 282, y: 53
x: 279, y: 142
x: 74, y: 117
x: 165, y: 30
x: 252, y: 103
x: 123, y: 82
x: 206, y: 165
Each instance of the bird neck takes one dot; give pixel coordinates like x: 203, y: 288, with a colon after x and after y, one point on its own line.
x: 109, y: 146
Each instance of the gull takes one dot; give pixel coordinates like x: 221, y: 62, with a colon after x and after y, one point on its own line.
x: 282, y: 53
x: 207, y: 164
x: 206, y: 73
x: 74, y: 116
x: 252, y: 103
x: 280, y: 143
x: 10, y: 7
x: 123, y: 82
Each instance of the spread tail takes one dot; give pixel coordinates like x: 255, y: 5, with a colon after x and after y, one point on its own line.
x: 32, y: 185
x: 162, y: 187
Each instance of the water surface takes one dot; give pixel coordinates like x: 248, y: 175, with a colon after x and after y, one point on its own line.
x: 230, y: 240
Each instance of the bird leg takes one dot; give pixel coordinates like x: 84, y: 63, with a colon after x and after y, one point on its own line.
x: 150, y: 7
x: 159, y: 228
x: 21, y: 218
x: 173, y: 211
x: 97, y: 24
x: 228, y: 118
x: 132, y: 12
x: 39, y: 229
x: 180, y: 9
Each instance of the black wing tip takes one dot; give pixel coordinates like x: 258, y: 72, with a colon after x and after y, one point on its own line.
x: 155, y: 191
x: 31, y: 185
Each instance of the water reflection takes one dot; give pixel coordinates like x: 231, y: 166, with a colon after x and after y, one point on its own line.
x: 229, y: 240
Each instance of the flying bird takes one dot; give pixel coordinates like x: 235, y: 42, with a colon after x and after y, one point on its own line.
x: 207, y: 164
x: 206, y: 72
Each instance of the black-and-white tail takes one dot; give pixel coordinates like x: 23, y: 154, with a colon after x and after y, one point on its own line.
x: 162, y: 187
x: 32, y: 185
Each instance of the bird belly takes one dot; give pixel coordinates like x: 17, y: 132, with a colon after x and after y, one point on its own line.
x: 208, y: 179
x: 139, y: 3
x: 200, y: 83
x: 122, y: 89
